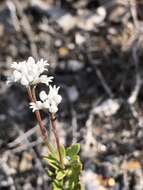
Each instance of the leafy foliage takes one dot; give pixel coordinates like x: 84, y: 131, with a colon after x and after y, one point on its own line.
x: 67, y: 178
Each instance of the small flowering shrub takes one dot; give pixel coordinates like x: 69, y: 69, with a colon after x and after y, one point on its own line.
x: 64, y: 165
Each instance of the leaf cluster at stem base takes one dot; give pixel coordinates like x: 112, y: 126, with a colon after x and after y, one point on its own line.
x: 67, y: 178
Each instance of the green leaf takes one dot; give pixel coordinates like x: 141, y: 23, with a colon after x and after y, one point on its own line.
x: 56, y: 167
x: 53, y: 162
x: 69, y: 172
x: 50, y: 173
x: 51, y: 158
x: 57, y: 185
x: 60, y: 175
x: 73, y: 150
x: 63, y: 151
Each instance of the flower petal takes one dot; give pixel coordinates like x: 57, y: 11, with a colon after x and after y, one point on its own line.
x: 53, y: 108
x: 45, y: 80
x: 31, y: 60
x: 24, y: 81
x: 17, y: 75
x: 35, y: 106
x: 43, y: 96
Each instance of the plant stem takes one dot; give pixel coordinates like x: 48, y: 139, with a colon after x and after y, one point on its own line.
x: 39, y: 119
x: 32, y: 96
x: 53, y: 124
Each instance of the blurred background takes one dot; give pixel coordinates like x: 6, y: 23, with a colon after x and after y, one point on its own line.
x: 95, y: 51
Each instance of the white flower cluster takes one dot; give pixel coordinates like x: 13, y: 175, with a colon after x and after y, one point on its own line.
x: 30, y: 73
x: 48, y: 101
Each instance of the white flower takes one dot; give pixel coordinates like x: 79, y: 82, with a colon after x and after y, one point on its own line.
x: 53, y: 107
x: 45, y: 80
x: 43, y: 96
x: 52, y: 99
x: 36, y: 106
x: 53, y: 94
x: 48, y: 101
x: 30, y: 72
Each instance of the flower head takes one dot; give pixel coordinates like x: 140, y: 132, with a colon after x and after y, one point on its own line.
x: 30, y: 72
x: 53, y: 94
x: 48, y: 101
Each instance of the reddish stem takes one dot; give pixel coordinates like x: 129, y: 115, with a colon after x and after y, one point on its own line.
x: 38, y: 116
x: 44, y: 133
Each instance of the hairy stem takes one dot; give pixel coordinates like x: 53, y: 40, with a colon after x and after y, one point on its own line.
x: 39, y: 119
x: 53, y: 124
